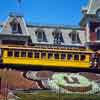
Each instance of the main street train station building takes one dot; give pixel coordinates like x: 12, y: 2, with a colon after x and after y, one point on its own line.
x: 16, y: 31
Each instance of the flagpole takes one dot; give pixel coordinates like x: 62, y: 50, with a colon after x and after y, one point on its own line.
x: 19, y: 6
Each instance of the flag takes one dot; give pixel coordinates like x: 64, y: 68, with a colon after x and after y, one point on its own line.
x: 19, y: 1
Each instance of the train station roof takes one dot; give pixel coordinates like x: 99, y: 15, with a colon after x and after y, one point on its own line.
x: 92, y: 7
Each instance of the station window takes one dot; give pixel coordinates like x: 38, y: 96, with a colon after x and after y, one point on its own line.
x: 36, y: 55
x: 56, y: 55
x: 97, y: 31
x: 82, y: 57
x: 43, y: 55
x: 58, y: 38
x: 74, y: 35
x: 63, y: 56
x: 30, y: 54
x: 76, y: 57
x: 50, y: 55
x: 23, y: 54
x: 41, y: 36
x: 16, y: 54
x: 15, y: 26
x: 10, y: 53
x: 69, y: 56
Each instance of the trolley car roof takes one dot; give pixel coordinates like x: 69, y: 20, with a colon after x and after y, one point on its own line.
x: 47, y: 49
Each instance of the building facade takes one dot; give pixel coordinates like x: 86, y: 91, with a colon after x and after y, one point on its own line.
x: 16, y: 31
x: 91, y: 22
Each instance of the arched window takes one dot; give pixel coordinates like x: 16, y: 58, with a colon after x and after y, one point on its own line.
x: 97, y: 33
x: 58, y: 38
x: 74, y: 37
x: 15, y: 26
x: 41, y: 37
x: 98, y: 13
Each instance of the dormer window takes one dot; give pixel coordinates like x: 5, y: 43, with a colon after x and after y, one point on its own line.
x: 74, y: 37
x: 15, y: 26
x: 58, y: 38
x: 41, y: 36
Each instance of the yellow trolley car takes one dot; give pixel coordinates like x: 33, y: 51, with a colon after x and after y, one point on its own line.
x: 47, y: 57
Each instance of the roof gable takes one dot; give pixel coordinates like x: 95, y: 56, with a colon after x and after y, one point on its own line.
x: 13, y: 20
x: 93, y: 6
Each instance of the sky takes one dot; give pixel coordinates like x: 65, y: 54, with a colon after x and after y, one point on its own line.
x: 66, y: 12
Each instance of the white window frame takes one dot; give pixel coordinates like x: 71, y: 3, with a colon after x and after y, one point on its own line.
x: 58, y: 40
x: 42, y: 32
x: 76, y: 38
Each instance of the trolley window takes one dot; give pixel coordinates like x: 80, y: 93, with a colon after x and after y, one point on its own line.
x: 63, y: 56
x: 16, y: 53
x: 69, y: 56
x: 10, y: 53
x: 82, y: 57
x: 43, y: 55
x: 50, y: 55
x: 76, y: 57
x: 56, y: 55
x: 23, y: 54
x: 30, y: 54
x: 36, y: 54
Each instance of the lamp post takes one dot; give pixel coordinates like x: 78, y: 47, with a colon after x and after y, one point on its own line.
x: 5, y: 89
x: 59, y: 91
